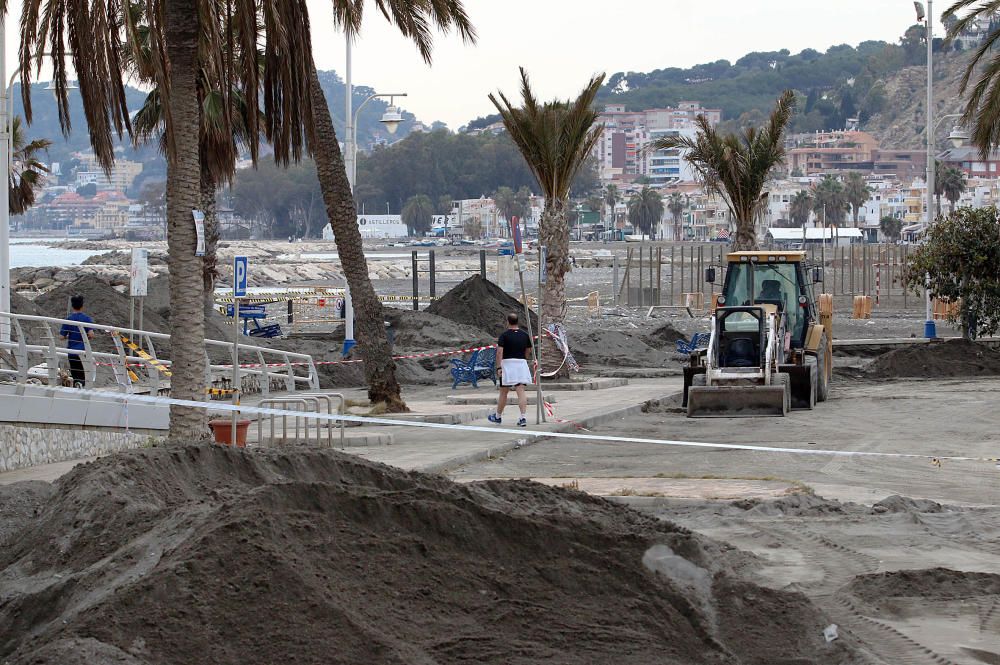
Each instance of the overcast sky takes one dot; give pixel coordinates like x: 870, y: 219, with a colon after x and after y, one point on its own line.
x: 563, y: 42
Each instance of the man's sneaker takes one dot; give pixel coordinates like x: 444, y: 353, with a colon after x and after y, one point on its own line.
x: 523, y: 422
x: 494, y: 418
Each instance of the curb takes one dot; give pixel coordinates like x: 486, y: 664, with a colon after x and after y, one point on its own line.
x: 502, y: 448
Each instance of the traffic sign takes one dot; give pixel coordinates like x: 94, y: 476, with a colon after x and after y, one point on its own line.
x: 515, y: 233
x: 241, y: 267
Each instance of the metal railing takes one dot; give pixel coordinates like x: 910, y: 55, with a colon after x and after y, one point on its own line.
x: 305, y: 401
x: 34, y: 355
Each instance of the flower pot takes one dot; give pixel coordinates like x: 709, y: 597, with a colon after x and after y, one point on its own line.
x: 222, y: 429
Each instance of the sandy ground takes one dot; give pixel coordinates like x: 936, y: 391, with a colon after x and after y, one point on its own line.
x: 823, y: 547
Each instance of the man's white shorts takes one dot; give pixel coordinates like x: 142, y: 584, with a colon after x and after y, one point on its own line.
x: 515, y: 372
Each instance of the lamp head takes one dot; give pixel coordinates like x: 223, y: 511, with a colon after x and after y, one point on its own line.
x: 392, y: 119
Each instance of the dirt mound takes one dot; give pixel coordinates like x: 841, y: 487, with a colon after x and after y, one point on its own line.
x: 479, y: 303
x: 664, y: 337
x: 158, y: 301
x: 19, y: 504
x: 904, y: 504
x: 101, y: 301
x: 616, y: 349
x: 801, y: 504
x: 955, y: 358
x: 931, y: 583
x: 425, y: 331
x: 206, y: 555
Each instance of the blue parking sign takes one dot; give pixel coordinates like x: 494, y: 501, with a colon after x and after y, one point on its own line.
x: 240, y: 269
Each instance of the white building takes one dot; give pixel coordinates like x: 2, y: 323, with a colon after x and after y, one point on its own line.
x: 376, y: 227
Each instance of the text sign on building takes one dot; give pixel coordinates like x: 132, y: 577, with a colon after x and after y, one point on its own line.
x: 139, y: 272
x: 241, y: 268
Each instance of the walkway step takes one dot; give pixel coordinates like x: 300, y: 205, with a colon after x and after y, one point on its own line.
x: 492, y: 399
x: 456, y: 418
x: 590, y: 384
x: 641, y: 372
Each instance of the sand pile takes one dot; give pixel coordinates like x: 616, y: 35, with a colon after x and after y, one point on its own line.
x: 955, y: 358
x: 615, y: 348
x: 479, y: 303
x: 21, y: 305
x: 424, y: 331
x: 106, y: 305
x: 664, y: 337
x: 930, y: 583
x: 206, y: 555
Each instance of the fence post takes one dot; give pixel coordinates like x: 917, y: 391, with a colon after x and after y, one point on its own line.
x: 416, y: 278
x: 482, y: 263
x: 430, y: 256
x: 659, y: 275
x: 673, y: 274
x: 640, y: 276
x: 682, y: 272
x: 614, y: 279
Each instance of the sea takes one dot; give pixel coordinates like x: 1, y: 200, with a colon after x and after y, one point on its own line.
x: 32, y: 252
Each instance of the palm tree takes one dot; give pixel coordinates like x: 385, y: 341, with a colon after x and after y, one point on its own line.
x: 555, y: 139
x: 737, y: 166
x: 611, y: 200
x: 28, y: 175
x: 856, y: 192
x: 91, y: 38
x: 982, y: 106
x: 891, y: 227
x: 829, y: 200
x: 507, y: 204
x: 951, y: 182
x: 800, y: 208
x: 676, y: 208
x: 645, y: 209
x: 418, y: 214
x: 413, y: 18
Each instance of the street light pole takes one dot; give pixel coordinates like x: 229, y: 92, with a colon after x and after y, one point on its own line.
x: 930, y: 330
x: 391, y: 118
x: 5, y: 195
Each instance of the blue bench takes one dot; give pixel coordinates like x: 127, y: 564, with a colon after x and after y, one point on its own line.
x: 698, y: 340
x: 481, y: 365
x: 255, y: 313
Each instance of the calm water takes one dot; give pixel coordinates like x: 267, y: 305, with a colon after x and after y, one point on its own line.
x: 25, y: 252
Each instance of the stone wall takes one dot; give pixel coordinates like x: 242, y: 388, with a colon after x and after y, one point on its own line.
x: 22, y: 447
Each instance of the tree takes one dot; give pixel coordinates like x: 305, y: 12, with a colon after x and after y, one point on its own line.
x: 473, y: 228
x: 611, y: 200
x: 444, y: 205
x: 961, y: 254
x: 950, y: 182
x: 153, y: 197
x: 891, y: 227
x: 418, y: 214
x: 982, y: 106
x: 27, y: 177
x: 87, y: 191
x: 555, y: 139
x: 800, y: 208
x: 508, y: 205
x: 737, y: 166
x: 829, y: 200
x: 91, y: 38
x: 856, y: 193
x: 676, y: 208
x: 412, y: 18
x: 645, y: 210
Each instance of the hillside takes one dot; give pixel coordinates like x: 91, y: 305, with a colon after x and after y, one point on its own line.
x: 881, y: 84
x: 46, y: 122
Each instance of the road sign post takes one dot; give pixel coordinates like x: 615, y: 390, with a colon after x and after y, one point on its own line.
x: 515, y: 234
x: 240, y: 273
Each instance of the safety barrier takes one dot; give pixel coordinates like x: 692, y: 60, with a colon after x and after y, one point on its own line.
x: 307, y: 417
x: 34, y: 355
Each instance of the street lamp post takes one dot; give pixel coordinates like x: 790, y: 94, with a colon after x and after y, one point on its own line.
x: 391, y: 119
x: 930, y: 329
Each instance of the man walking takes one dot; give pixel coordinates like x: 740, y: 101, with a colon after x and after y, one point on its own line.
x: 73, y: 334
x: 512, y: 360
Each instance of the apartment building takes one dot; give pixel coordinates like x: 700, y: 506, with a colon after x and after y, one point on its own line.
x: 842, y: 151
x: 122, y: 175
x: 620, y: 150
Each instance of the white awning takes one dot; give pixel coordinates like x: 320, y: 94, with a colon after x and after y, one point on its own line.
x: 791, y: 235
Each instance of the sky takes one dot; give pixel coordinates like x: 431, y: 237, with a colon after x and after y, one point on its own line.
x: 563, y: 42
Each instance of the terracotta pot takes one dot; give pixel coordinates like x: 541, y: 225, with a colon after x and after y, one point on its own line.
x: 222, y: 430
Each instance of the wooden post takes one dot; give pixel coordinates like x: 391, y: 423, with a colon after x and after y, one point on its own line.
x: 414, y: 268
x: 682, y: 273
x: 640, y: 276
x: 673, y: 275
x: 659, y: 275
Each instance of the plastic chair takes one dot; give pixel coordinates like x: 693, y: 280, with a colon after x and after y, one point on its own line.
x: 480, y: 365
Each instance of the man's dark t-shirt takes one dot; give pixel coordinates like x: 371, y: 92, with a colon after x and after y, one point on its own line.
x: 515, y: 344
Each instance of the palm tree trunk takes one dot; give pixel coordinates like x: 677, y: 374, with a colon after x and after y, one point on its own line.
x: 369, y: 326
x: 187, y: 312
x: 746, y: 236
x: 210, y: 270
x: 553, y: 232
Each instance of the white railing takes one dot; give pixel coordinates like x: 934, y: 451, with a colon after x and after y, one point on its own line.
x: 35, y: 354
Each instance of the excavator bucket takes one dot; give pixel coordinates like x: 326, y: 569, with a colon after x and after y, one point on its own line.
x: 740, y: 400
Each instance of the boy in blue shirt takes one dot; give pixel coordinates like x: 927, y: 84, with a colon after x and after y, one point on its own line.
x: 74, y: 340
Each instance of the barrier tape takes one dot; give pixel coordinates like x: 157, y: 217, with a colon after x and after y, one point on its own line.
x: 936, y: 460
x: 158, y: 364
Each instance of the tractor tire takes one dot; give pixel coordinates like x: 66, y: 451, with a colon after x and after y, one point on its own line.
x: 824, y: 369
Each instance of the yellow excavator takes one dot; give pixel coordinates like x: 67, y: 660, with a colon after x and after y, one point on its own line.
x: 771, y: 343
